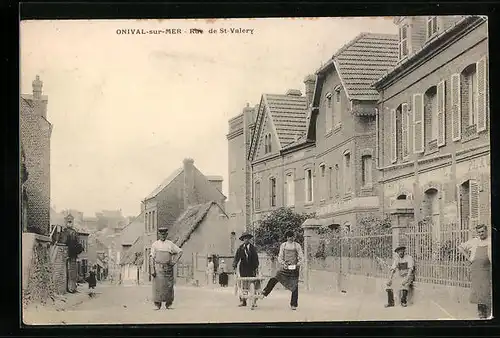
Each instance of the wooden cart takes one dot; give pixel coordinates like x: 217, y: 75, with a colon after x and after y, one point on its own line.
x: 249, y: 288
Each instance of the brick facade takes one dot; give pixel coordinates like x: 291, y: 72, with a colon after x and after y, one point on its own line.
x: 442, y: 167
x: 35, y: 133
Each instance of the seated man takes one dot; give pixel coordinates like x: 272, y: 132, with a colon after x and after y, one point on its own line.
x: 402, y: 268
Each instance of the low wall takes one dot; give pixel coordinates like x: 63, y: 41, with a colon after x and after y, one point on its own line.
x: 446, y: 296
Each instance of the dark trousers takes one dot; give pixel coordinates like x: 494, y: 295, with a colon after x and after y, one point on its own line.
x: 294, y: 300
x: 403, y: 295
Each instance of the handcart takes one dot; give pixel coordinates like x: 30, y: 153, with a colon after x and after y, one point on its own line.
x: 249, y: 288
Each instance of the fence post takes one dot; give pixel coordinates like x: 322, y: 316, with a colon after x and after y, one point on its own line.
x: 401, y: 214
x: 309, y: 225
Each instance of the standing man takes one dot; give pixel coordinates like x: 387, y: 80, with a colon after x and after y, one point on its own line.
x: 478, y: 252
x: 290, y: 258
x: 210, y: 272
x: 402, y: 269
x: 164, y: 255
x: 248, y: 258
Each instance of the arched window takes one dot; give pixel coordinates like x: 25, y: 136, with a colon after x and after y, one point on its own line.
x: 272, y: 191
x: 328, y: 112
x: 431, y: 211
x: 337, y: 107
x: 400, y: 133
x: 430, y: 117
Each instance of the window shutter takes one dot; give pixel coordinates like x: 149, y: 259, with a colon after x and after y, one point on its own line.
x: 393, y: 136
x: 404, y: 129
x: 459, y: 207
x: 482, y: 107
x: 456, y: 109
x: 474, y: 202
x: 441, y: 113
x: 418, y: 123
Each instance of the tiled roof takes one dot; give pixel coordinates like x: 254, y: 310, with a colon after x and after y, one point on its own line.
x: 288, y: 113
x: 165, y: 183
x: 25, y: 106
x: 134, y: 254
x: 133, y: 230
x: 188, y: 222
x: 363, y: 60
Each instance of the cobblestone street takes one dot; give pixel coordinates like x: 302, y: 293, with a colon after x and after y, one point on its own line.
x: 131, y: 305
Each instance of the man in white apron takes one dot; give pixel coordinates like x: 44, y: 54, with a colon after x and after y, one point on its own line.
x: 164, y: 255
x: 478, y: 252
x: 401, y: 276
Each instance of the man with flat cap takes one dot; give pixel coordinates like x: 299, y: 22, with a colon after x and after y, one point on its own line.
x: 164, y: 255
x: 401, y: 276
x: 247, y: 256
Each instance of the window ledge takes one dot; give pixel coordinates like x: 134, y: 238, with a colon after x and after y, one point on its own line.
x: 367, y: 187
x: 337, y: 128
x: 347, y: 196
x: 470, y: 133
x: 308, y: 204
x: 328, y: 133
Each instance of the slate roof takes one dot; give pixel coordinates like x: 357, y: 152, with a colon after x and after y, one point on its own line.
x: 133, y: 230
x: 289, y: 116
x: 165, y: 183
x: 25, y: 106
x: 363, y: 60
x: 188, y: 222
x: 134, y: 254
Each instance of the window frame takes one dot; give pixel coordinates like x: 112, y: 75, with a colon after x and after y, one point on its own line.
x: 309, y: 185
x: 256, y: 197
x: 402, y: 41
x: 290, y: 189
x: 273, y: 191
x: 434, y: 21
x: 347, y: 173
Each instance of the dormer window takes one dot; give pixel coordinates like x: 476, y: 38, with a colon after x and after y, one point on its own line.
x: 267, y: 143
x: 432, y: 26
x: 403, y: 41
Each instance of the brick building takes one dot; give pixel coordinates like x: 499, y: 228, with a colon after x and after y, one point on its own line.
x: 185, y: 187
x: 433, y: 133
x: 314, y: 152
x: 35, y: 133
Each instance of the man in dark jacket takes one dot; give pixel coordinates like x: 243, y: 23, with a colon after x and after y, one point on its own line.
x: 247, y: 256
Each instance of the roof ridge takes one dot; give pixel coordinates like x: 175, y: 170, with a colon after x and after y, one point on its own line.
x: 349, y: 44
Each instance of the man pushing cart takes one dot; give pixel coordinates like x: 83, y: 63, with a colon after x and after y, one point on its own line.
x: 247, y: 282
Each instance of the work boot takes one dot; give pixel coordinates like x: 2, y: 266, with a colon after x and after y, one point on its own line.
x: 404, y: 296
x: 390, y: 298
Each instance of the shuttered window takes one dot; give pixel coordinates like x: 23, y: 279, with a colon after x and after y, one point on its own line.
x: 309, y: 185
x: 432, y: 26
x: 405, y: 130
x: 441, y: 113
x: 394, y: 136
x: 290, y: 190
x: 322, y: 181
x: 403, y: 41
x: 474, y: 202
x: 257, y: 195
x: 482, y: 108
x: 456, y: 105
x: 272, y: 192
x: 418, y: 123
x: 328, y: 112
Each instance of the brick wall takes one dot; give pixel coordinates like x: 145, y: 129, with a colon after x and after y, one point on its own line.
x: 35, y: 134
x: 59, y: 268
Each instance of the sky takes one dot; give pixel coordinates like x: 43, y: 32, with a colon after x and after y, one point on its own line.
x: 127, y: 109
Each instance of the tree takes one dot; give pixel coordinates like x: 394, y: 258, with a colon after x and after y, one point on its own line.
x: 270, y: 232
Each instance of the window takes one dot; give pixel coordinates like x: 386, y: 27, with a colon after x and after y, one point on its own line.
x: 267, y: 143
x: 430, y: 113
x: 328, y: 112
x: 290, y: 190
x: 272, y: 192
x: 150, y: 221
x: 322, y: 181
x: 257, y: 195
x: 146, y: 224
x: 469, y: 204
x: 472, y: 97
x: 347, y: 172
x: 366, y: 170
x: 154, y: 220
x: 232, y: 240
x: 403, y: 42
x: 337, y: 113
x: 432, y: 26
x: 330, y: 183
x: 337, y: 179
x: 309, y: 185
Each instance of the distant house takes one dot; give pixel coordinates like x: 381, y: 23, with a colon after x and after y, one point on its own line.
x: 132, y: 245
x: 132, y: 263
x: 185, y: 187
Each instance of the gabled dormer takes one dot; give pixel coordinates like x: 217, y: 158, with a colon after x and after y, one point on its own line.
x: 414, y: 32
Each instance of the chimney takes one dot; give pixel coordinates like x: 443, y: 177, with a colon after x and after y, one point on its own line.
x: 189, y: 193
x: 39, y: 103
x: 37, y: 88
x: 310, y: 82
x: 293, y: 92
x: 216, y: 181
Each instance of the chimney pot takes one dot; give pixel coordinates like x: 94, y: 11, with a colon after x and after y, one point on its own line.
x: 37, y: 88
